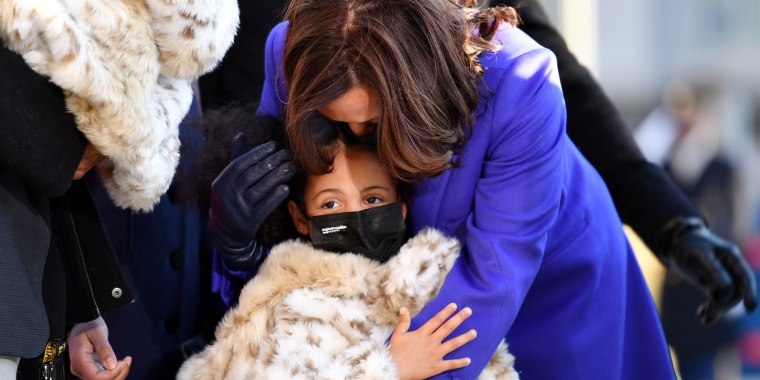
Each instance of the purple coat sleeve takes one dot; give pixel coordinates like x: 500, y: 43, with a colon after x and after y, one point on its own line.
x: 512, y: 169
x: 227, y: 282
x: 274, y: 93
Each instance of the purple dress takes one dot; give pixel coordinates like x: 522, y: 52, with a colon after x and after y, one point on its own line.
x: 545, y: 260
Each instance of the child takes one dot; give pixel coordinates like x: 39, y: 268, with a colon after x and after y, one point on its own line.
x: 310, y: 313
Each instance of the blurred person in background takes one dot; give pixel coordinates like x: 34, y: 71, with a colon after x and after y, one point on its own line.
x: 679, y: 136
x: 748, y: 326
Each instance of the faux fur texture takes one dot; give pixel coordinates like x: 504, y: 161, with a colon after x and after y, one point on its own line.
x: 310, y: 314
x: 125, y: 67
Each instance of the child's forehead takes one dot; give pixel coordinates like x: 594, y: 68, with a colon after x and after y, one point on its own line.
x: 360, y: 151
x: 362, y: 155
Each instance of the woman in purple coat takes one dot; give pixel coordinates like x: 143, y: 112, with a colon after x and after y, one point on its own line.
x: 471, y: 111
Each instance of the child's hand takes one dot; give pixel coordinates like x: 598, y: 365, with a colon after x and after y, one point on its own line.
x: 419, y: 354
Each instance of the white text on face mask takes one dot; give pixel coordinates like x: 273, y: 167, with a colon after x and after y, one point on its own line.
x: 329, y: 230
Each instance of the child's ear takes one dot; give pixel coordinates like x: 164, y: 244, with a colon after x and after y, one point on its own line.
x: 302, y: 225
x: 403, y: 207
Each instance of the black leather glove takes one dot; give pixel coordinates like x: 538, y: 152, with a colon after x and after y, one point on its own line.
x: 242, y: 196
x: 709, y: 262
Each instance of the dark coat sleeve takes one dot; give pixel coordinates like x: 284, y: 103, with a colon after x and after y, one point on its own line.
x: 95, y: 282
x: 39, y: 141
x: 645, y: 197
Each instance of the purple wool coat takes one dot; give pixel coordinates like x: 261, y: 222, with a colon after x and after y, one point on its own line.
x: 545, y: 260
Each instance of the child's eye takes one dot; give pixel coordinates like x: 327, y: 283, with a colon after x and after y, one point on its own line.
x: 330, y: 204
x: 374, y: 200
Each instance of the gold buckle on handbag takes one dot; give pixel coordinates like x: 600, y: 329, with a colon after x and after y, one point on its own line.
x: 53, y: 349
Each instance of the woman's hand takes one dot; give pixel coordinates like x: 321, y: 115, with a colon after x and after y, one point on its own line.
x: 419, y: 354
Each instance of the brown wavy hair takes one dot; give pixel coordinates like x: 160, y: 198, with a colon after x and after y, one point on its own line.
x: 420, y: 56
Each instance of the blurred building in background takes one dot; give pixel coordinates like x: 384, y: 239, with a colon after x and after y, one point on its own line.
x: 640, y: 50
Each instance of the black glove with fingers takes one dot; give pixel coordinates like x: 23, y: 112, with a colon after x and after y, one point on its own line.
x: 242, y: 196
x: 715, y: 265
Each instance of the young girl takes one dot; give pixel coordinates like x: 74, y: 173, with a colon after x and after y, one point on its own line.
x: 313, y: 314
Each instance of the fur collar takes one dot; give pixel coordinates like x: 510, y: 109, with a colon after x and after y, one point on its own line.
x: 125, y: 67
x: 311, y: 314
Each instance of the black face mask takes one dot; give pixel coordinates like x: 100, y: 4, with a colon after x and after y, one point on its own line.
x: 376, y: 233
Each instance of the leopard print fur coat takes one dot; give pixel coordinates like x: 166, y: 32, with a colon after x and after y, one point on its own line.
x: 310, y: 314
x: 125, y: 67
